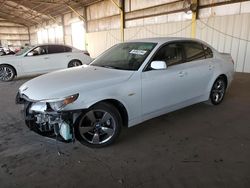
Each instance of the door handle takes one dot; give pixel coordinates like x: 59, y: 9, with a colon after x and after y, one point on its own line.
x: 181, y: 74
x: 210, y: 67
x: 46, y: 58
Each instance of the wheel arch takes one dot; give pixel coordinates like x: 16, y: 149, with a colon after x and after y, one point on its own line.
x: 224, y: 77
x: 119, y: 106
x: 74, y: 60
x: 11, y: 67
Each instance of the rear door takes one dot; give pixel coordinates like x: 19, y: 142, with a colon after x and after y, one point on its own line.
x: 198, y: 69
x: 59, y: 56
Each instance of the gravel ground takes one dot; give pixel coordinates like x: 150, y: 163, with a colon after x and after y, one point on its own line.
x: 199, y: 146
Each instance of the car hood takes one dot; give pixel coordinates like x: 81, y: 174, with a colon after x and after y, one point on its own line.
x: 70, y: 81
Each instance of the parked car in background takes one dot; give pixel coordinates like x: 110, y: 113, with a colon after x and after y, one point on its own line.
x: 41, y: 59
x: 6, y: 51
x: 128, y: 84
x: 2, y: 52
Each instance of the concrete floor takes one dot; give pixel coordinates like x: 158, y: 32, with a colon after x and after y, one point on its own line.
x: 199, y: 146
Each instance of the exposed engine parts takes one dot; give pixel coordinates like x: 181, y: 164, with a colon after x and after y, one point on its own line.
x: 47, y: 122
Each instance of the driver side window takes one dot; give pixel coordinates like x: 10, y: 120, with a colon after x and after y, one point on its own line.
x: 171, y: 54
x: 40, y: 50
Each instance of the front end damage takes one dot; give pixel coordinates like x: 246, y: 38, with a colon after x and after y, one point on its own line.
x: 41, y: 118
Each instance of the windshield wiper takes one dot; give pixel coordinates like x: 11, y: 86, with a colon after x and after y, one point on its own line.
x: 110, y: 67
x: 107, y: 66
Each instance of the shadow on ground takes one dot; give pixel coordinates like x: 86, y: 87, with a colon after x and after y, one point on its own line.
x: 199, y: 146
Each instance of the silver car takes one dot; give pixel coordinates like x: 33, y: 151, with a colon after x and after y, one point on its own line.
x: 126, y: 85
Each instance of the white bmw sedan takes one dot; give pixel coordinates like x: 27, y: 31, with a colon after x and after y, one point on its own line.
x: 40, y: 59
x: 128, y: 84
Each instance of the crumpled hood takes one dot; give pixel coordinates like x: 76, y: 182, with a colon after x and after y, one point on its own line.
x: 70, y: 81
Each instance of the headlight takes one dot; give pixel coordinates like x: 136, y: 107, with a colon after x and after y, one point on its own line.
x: 59, y: 104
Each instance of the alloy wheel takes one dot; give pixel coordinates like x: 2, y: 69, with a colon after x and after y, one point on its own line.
x: 218, y: 91
x: 75, y: 63
x: 97, y: 126
x: 6, y: 73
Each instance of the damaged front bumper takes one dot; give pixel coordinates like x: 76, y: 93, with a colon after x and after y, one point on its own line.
x: 42, y: 119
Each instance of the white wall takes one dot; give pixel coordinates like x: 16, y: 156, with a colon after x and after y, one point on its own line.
x: 226, y: 28
x: 100, y: 41
x: 13, y: 34
x: 65, y: 21
x: 229, y: 34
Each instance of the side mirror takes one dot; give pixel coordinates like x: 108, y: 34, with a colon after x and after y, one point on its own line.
x: 158, y: 65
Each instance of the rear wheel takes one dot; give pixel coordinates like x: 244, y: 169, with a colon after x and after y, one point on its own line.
x: 74, y: 63
x: 218, y: 91
x: 99, y: 126
x: 7, y: 73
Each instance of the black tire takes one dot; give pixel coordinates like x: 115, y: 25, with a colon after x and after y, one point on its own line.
x: 7, y: 73
x: 218, y: 91
x: 102, y: 130
x: 74, y: 63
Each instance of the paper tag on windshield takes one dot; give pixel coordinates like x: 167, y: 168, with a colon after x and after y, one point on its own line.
x: 138, y: 52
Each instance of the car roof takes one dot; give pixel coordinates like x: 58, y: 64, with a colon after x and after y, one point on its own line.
x: 54, y: 44
x: 165, y: 39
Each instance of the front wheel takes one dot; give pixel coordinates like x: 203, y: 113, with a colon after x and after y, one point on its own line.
x: 218, y: 91
x: 7, y: 73
x: 99, y: 126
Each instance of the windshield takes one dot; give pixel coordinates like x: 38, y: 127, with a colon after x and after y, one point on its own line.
x: 22, y: 51
x: 125, y: 56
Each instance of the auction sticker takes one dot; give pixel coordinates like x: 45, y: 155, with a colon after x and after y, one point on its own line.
x: 138, y: 52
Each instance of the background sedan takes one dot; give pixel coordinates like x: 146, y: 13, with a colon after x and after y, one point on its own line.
x: 41, y: 59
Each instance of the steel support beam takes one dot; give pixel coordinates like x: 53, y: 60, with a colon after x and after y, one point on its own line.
x: 63, y: 28
x: 29, y: 35
x: 76, y: 12
x: 120, y: 6
x: 194, y: 18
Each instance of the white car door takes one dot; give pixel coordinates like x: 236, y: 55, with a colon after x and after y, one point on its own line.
x: 60, y: 56
x: 36, y: 61
x: 198, y: 70
x: 163, y: 88
x: 180, y: 82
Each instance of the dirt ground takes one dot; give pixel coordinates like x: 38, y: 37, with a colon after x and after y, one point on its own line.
x: 199, y: 146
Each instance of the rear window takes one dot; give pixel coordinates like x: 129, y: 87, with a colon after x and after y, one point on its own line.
x: 193, y: 51
x: 208, y: 52
x: 59, y: 49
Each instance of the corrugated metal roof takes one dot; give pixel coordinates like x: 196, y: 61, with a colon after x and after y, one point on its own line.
x: 32, y: 12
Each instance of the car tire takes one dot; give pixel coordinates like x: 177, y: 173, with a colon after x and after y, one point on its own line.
x: 99, y: 126
x: 74, y: 63
x: 7, y: 73
x: 218, y: 91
